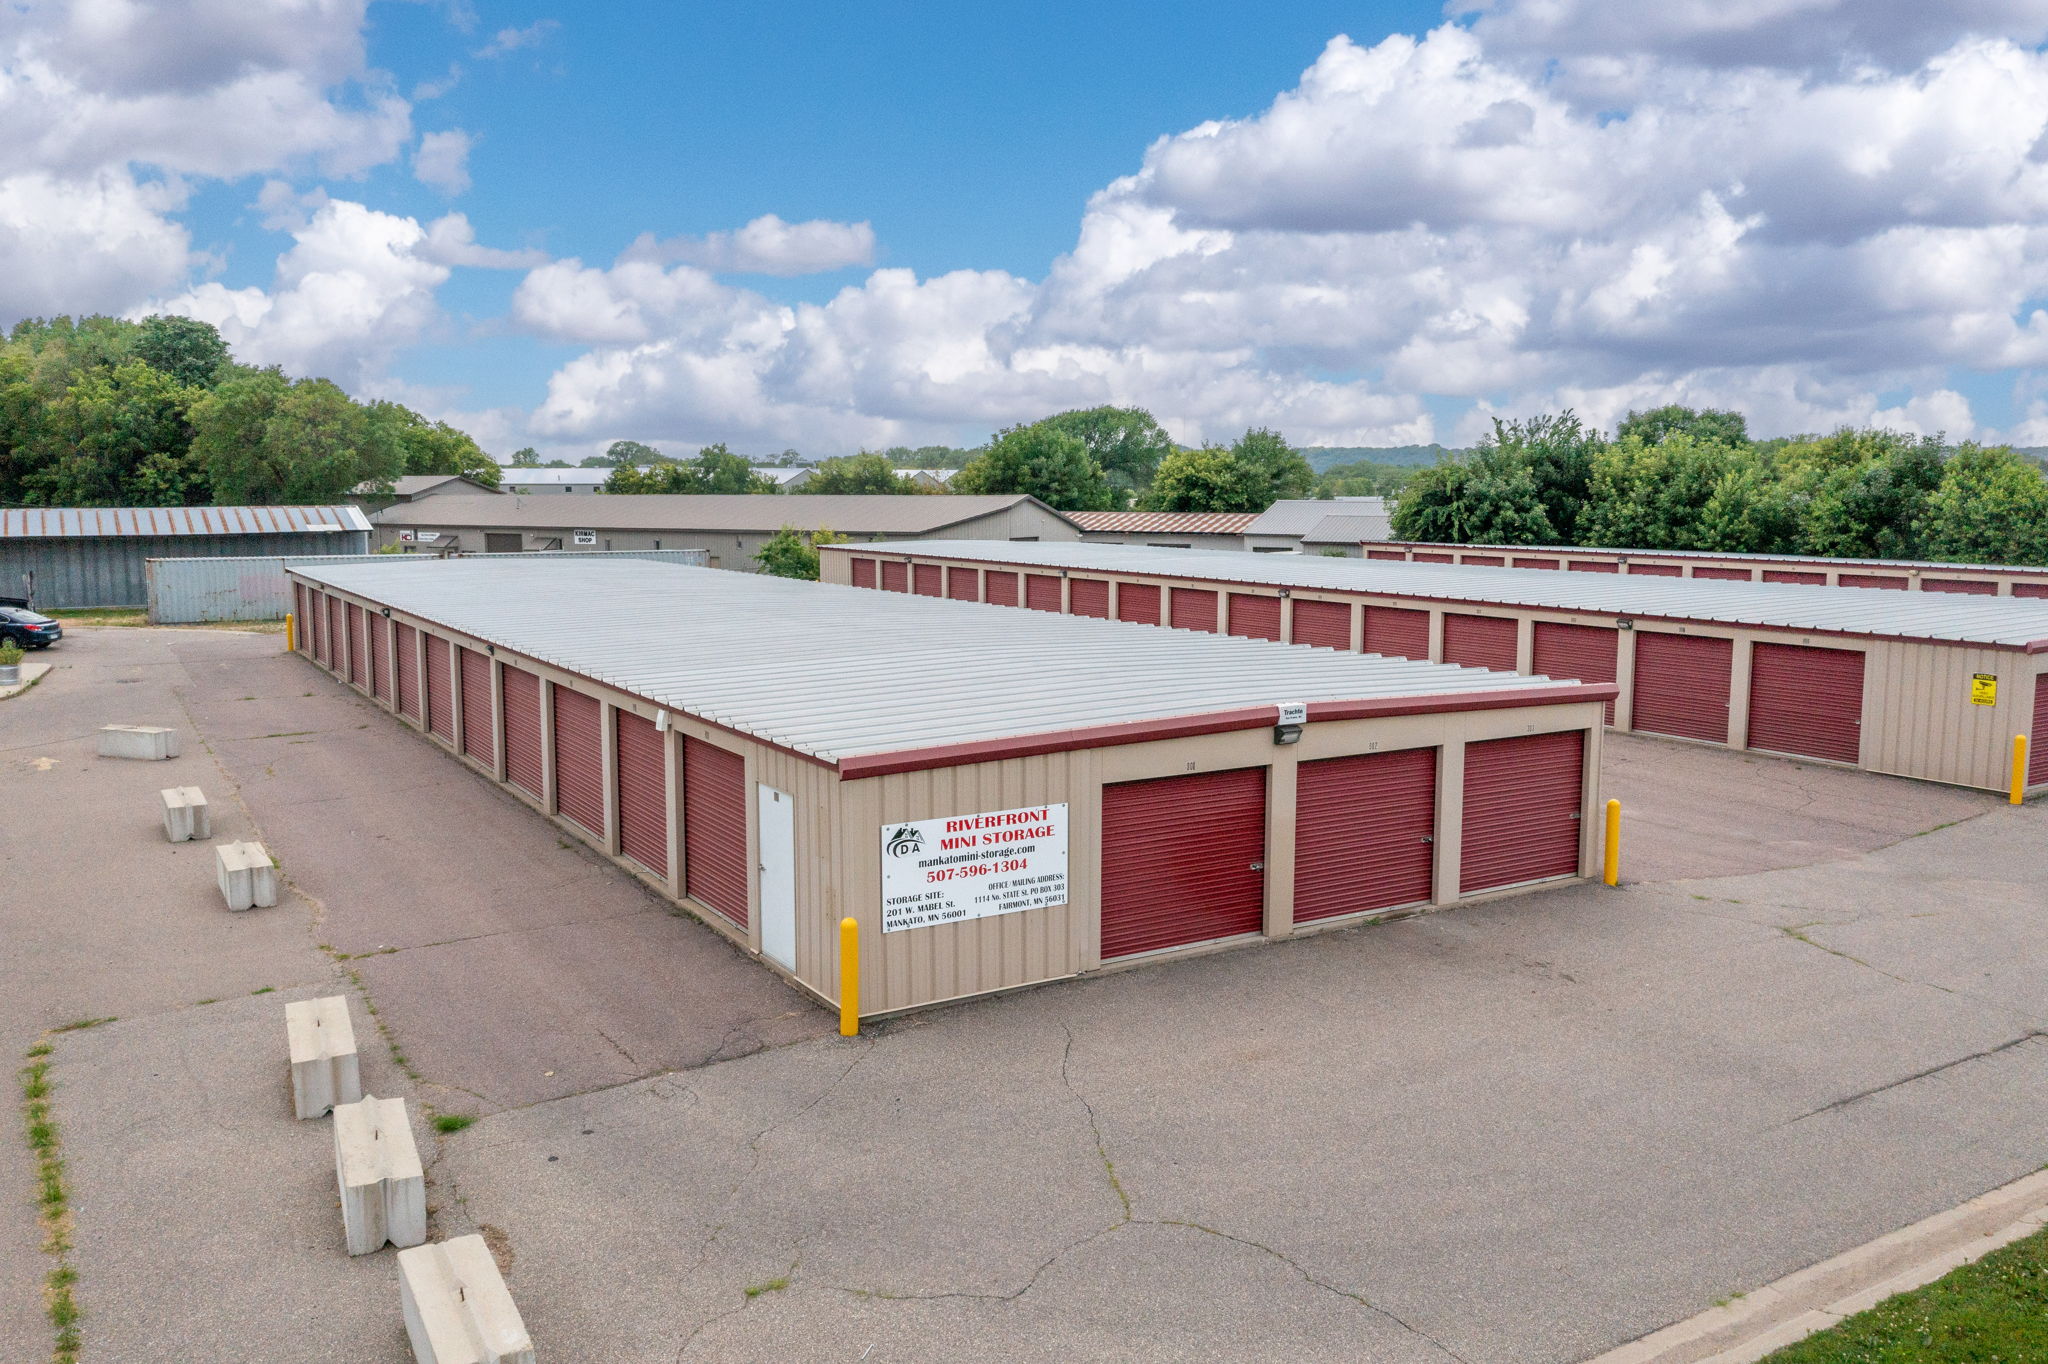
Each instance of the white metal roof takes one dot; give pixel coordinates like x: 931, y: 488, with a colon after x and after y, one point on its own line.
x: 836, y: 672
x: 1710, y: 556
x: 1299, y: 515
x: 2007, y: 622
x: 77, y: 523
x: 550, y: 478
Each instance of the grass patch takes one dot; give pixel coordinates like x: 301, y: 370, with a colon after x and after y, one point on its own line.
x: 452, y: 1122
x: 1993, y: 1310
x: 80, y: 1024
x: 53, y: 1198
x: 136, y: 615
x: 264, y: 991
x: 775, y: 1285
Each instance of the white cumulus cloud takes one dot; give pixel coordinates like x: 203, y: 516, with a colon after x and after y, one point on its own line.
x: 442, y: 161
x: 766, y: 246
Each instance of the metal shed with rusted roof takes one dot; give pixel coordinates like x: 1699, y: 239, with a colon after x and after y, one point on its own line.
x: 67, y: 557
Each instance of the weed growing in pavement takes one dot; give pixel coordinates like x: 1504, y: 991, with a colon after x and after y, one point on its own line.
x: 53, y: 1198
x: 452, y: 1122
x: 775, y: 1285
x: 264, y: 990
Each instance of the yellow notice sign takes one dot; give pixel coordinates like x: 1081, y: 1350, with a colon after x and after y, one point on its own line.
x: 1983, y: 689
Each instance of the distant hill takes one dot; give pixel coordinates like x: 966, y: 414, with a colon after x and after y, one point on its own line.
x: 1321, y: 457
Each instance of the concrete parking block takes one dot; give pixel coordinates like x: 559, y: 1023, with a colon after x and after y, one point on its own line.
x: 457, y: 1308
x: 377, y: 1168
x: 248, y: 877
x: 186, y: 814
x: 149, y: 743
x: 322, y: 1043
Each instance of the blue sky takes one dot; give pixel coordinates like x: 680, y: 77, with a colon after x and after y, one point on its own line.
x: 1354, y: 222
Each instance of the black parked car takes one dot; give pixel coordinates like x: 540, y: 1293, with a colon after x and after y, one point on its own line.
x: 28, y: 628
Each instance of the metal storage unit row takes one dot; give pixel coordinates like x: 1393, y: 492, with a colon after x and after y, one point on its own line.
x: 1933, y: 686
x: 776, y: 755
x: 1985, y: 580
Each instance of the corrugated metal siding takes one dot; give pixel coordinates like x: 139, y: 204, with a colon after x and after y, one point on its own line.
x: 440, y: 690
x: 864, y: 573
x: 1194, y: 608
x: 928, y: 580
x: 1138, y: 602
x: 1586, y: 652
x: 1681, y: 685
x: 1324, y: 624
x: 1969, y: 587
x: 1792, y: 575
x: 962, y: 584
x: 1182, y: 860
x: 408, y: 670
x: 1041, y: 592
x: 1806, y: 701
x: 579, y: 756
x: 715, y: 828
x: 115, y: 572
x: 1881, y: 580
x: 1921, y: 722
x: 380, y: 658
x: 1001, y: 587
x: 1480, y: 641
x: 1253, y: 616
x: 523, y: 765
x: 240, y: 523
x: 895, y: 576
x: 1364, y: 833
x: 1088, y: 597
x: 643, y: 792
x: 478, y: 721
x: 1522, y: 802
x: 1397, y: 632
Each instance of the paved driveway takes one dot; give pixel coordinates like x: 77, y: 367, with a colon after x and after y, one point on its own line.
x: 1521, y: 1131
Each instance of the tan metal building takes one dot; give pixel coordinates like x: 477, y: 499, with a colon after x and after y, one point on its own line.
x: 1164, y: 530
x: 731, y: 529
x: 1915, y: 685
x: 1981, y: 580
x: 997, y: 800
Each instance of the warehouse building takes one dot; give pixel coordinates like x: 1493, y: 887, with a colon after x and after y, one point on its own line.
x: 997, y: 800
x: 1979, y: 580
x: 72, y: 557
x: 1925, y: 685
x: 1164, y: 530
x: 730, y: 528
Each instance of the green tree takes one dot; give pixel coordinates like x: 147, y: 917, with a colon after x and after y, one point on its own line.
x: 117, y: 436
x: 1049, y: 464
x: 1750, y: 511
x: 1207, y: 480
x: 1558, y: 451
x: 1991, y: 508
x: 188, y: 350
x: 793, y: 553
x: 1644, y: 496
x: 866, y: 472
x: 621, y: 453
x: 714, y: 470
x: 526, y: 457
x: 1125, y: 441
x: 431, y: 447
x: 1273, y: 469
x: 1487, y: 499
x: 1364, y: 478
x: 1706, y: 424
x: 263, y: 439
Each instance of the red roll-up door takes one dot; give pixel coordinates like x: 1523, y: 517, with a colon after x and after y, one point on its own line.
x: 1182, y: 860
x: 1884, y: 580
x: 337, y: 646
x: 1733, y: 575
x: 1536, y: 563
x: 1584, y: 652
x: 863, y: 572
x: 1480, y: 641
x: 1656, y: 570
x: 1253, y: 616
x: 1002, y: 587
x: 440, y: 690
x: 1364, y: 833
x: 1088, y: 597
x: 356, y: 641
x: 643, y: 792
x: 1397, y: 632
x: 1681, y: 685
x: 1484, y: 560
x: 1138, y: 602
x: 579, y: 757
x: 1790, y: 575
x: 1595, y: 566
x: 928, y: 580
x: 1194, y: 608
x: 715, y: 828
x: 963, y: 584
x: 1807, y: 701
x: 408, y: 670
x: 1400, y: 554
x: 380, y: 658
x: 1522, y: 802
x: 2030, y: 589
x: 305, y: 639
x: 1422, y: 557
x: 478, y: 738
x: 316, y: 624
x: 1325, y: 624
x: 895, y: 576
x: 1041, y: 592
x: 1969, y: 587
x: 2037, y: 746
x: 522, y: 729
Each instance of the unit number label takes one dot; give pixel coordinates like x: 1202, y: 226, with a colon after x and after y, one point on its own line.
x: 941, y: 871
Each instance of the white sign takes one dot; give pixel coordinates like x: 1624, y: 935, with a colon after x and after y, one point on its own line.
x: 942, y: 871
x: 586, y: 537
x: 409, y: 536
x: 1293, y: 712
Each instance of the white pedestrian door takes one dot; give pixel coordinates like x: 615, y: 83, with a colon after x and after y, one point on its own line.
x: 777, y: 825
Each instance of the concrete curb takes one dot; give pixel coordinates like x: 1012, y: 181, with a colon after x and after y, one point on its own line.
x: 1815, y: 1298
x: 31, y: 673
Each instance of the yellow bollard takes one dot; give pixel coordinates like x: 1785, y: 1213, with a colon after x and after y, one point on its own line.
x: 1612, y: 874
x: 849, y: 977
x: 291, y: 639
x: 2019, y: 766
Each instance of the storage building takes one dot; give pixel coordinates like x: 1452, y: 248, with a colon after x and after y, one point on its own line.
x: 1914, y: 684
x: 1980, y: 580
x: 1164, y: 530
x: 997, y: 800
x: 68, y: 557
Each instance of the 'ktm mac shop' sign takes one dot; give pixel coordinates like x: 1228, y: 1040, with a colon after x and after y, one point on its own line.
x: 941, y: 871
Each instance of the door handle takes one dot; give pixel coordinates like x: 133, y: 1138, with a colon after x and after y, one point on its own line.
x: 1257, y: 866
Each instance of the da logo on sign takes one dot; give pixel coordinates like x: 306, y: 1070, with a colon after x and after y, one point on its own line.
x: 906, y: 842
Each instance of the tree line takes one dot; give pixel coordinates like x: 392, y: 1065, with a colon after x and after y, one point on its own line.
x: 1682, y: 478
x: 101, y: 411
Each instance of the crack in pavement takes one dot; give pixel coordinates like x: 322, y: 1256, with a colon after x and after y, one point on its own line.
x: 1890, y: 1085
